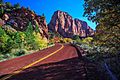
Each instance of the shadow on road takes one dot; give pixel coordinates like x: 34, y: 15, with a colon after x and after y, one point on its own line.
x: 70, y: 69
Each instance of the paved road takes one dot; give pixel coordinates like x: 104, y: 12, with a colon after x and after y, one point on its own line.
x: 60, y: 62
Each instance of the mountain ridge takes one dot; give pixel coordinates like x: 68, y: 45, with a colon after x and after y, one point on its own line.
x: 67, y: 26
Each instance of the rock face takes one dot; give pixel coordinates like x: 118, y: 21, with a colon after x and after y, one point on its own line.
x: 20, y: 18
x: 1, y: 22
x: 66, y: 26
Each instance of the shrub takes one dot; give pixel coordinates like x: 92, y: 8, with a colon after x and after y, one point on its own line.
x: 50, y: 43
x: 19, y: 39
x: 76, y: 37
x: 14, y: 43
x: 20, y: 52
x: 87, y: 40
x: 1, y: 57
x: 66, y: 40
x: 5, y: 42
x: 40, y: 42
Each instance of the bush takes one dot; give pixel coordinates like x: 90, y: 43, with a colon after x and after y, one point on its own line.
x: 5, y: 42
x: 33, y: 39
x: 1, y: 57
x: 76, y: 37
x: 66, y: 40
x: 20, y: 52
x: 87, y: 40
x: 40, y: 42
x: 17, y: 40
x: 50, y: 43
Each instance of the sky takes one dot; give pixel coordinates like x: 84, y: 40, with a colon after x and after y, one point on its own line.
x: 48, y: 7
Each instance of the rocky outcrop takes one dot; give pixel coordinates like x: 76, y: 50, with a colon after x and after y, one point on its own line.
x: 66, y: 26
x: 1, y: 22
x: 20, y: 18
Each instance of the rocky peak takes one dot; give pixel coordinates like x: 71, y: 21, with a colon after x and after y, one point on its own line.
x: 66, y: 26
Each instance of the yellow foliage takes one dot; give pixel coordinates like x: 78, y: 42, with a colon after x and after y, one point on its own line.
x: 66, y: 40
x: 40, y: 41
x: 87, y: 40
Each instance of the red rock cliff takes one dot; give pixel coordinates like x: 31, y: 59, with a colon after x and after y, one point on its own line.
x: 20, y: 18
x: 66, y: 26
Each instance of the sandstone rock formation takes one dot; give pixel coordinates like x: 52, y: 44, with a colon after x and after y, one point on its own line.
x: 1, y: 22
x: 20, y: 18
x: 66, y: 26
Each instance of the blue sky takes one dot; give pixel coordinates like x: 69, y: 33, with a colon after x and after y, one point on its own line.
x: 48, y: 7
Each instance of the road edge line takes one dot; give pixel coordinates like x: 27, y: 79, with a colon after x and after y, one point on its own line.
x: 33, y: 63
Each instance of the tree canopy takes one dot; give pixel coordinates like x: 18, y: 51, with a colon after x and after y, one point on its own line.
x: 106, y: 14
x: 102, y: 11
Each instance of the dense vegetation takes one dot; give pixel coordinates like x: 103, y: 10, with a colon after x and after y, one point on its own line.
x: 105, y: 45
x: 7, y: 7
x: 106, y: 14
x: 16, y: 43
x: 56, y: 37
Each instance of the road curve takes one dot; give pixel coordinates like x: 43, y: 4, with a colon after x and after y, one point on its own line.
x: 60, y: 62
x: 15, y: 66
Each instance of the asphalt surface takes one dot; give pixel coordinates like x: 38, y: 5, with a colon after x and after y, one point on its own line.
x: 60, y: 62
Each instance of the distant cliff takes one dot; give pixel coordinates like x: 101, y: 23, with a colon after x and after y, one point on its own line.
x: 66, y: 26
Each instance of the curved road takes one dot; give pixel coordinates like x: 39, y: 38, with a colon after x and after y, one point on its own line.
x: 60, y: 62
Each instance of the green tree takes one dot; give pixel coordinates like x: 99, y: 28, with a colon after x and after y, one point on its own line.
x: 17, y: 6
x: 106, y: 14
x: 1, y: 8
x: 37, y: 30
x: 33, y: 38
x: 29, y: 28
x: 1, y: 1
x: 19, y: 39
x: 29, y: 36
x: 8, y: 4
x: 76, y: 37
x: 42, y: 18
x: 5, y: 42
x: 1, y: 11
